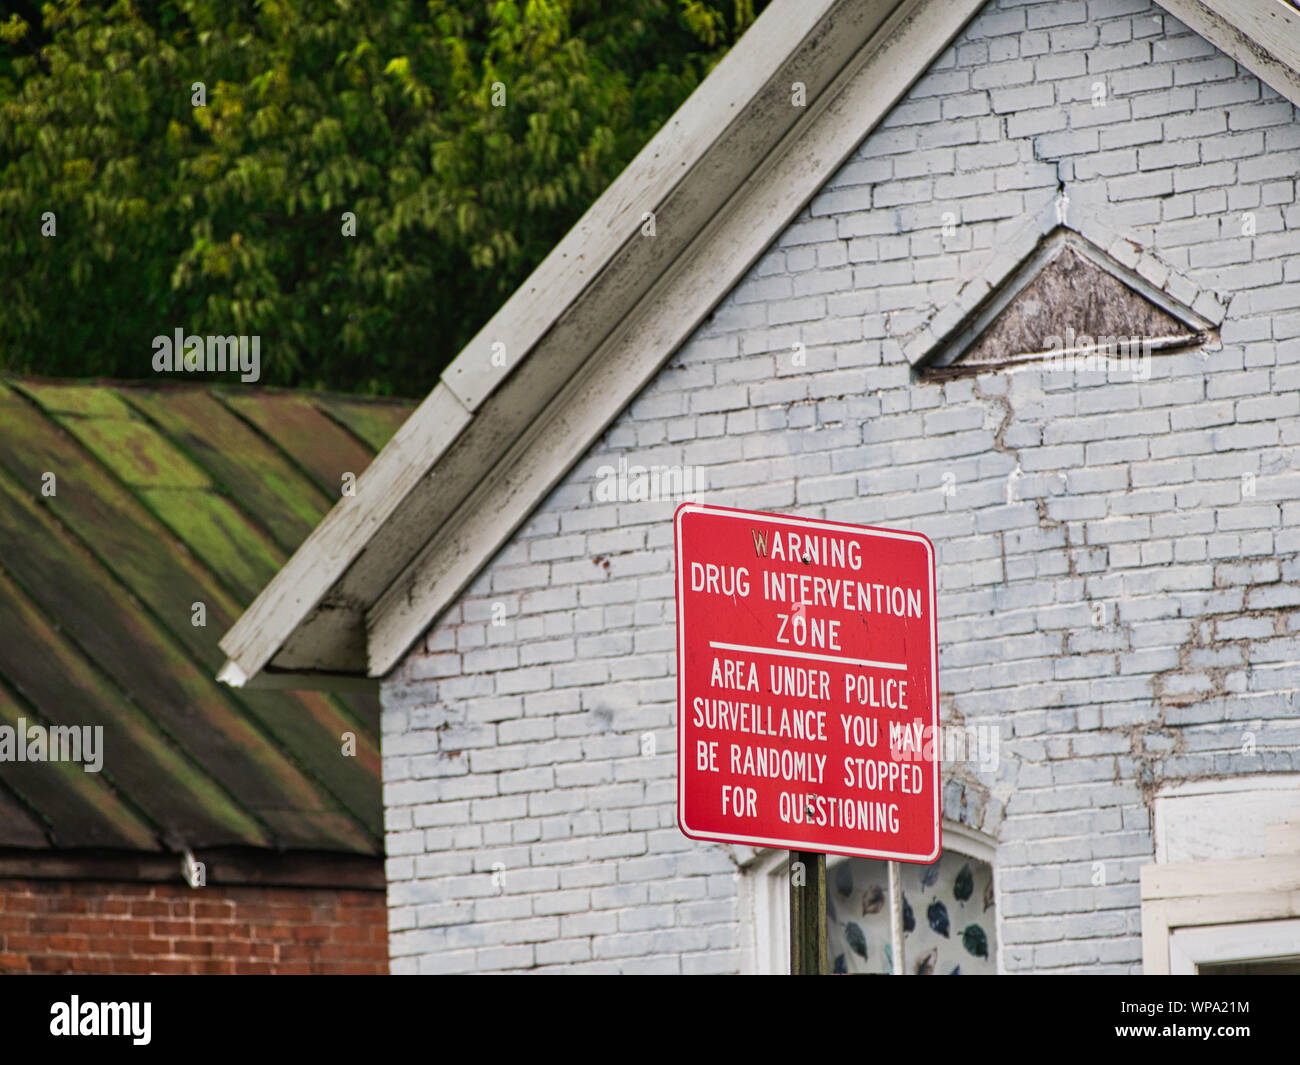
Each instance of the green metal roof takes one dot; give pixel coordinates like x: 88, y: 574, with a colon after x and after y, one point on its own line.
x: 164, y: 498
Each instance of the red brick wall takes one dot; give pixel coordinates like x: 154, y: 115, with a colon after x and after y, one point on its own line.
x: 60, y: 926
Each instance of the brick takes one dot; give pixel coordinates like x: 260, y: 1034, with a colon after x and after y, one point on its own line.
x: 1128, y: 187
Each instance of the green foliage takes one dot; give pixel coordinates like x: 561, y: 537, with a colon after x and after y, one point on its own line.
x: 229, y: 218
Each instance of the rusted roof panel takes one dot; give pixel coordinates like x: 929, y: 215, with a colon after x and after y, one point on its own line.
x: 244, y: 463
x: 374, y: 423
x: 127, y: 540
x: 68, y: 806
x: 221, y: 537
x: 163, y: 499
x: 313, y: 440
x: 52, y: 675
x: 17, y: 827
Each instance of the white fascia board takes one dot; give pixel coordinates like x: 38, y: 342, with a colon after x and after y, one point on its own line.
x: 707, y: 149
x: 863, y: 94
x: 573, y: 334
x: 309, y: 680
x: 1262, y: 35
x: 231, y: 674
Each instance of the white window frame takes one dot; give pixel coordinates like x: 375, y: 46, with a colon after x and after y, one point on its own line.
x: 1225, y: 899
x: 1190, y: 948
x: 765, y: 912
x: 1235, y: 893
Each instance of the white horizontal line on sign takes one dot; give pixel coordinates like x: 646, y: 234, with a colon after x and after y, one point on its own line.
x: 805, y: 654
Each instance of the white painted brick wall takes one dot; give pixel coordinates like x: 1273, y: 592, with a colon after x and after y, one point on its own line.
x: 517, y: 748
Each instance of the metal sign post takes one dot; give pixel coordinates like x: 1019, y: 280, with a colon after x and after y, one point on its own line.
x: 896, y: 917
x: 807, y: 913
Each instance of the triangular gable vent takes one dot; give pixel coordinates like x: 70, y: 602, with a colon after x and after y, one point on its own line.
x: 1069, y: 298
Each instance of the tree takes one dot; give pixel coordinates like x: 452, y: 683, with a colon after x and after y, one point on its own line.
x: 361, y: 183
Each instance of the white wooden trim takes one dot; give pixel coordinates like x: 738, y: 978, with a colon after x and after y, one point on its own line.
x: 1222, y: 878
x: 1218, y: 827
x: 796, y: 169
x: 1262, y: 35
x: 765, y: 914
x: 1196, y: 894
x: 584, y: 288
x: 1259, y: 782
x: 1243, y: 941
x: 957, y: 837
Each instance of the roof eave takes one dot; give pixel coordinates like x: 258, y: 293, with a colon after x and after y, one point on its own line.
x: 589, y: 283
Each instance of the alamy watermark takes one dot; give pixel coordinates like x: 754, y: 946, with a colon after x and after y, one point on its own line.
x: 1084, y: 352
x: 637, y: 484
x: 213, y: 354
x: 79, y: 1018
x: 917, y: 742
x: 55, y: 743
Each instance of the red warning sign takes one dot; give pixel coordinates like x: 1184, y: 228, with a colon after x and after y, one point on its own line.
x: 807, y: 665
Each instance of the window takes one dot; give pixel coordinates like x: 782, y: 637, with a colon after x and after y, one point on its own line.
x: 1221, y: 896
x: 948, y: 916
x: 969, y: 918
x: 1069, y: 306
x: 1253, y: 947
